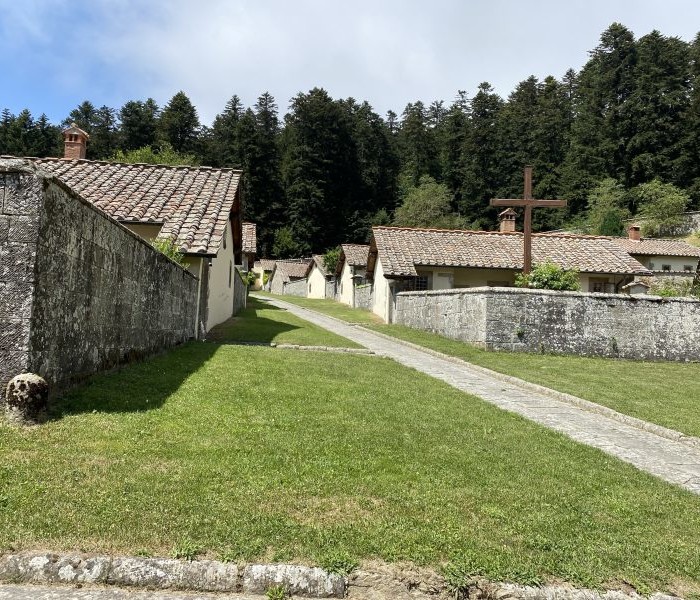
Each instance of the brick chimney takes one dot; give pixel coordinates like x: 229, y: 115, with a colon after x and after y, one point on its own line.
x: 507, y: 219
x: 75, y: 142
x: 635, y: 233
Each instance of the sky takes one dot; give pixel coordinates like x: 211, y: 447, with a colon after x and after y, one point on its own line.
x: 56, y: 53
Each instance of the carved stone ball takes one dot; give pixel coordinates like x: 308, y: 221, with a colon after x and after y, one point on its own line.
x: 26, y: 398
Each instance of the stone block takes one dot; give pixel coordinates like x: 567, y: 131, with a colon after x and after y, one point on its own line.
x: 26, y: 399
x: 165, y: 573
x: 309, y: 582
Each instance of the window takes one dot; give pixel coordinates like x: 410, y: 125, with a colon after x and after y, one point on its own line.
x: 600, y: 285
x: 414, y: 284
x: 688, y: 268
x: 230, y: 272
x: 665, y: 267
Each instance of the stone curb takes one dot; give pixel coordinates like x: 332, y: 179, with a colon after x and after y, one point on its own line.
x: 167, y: 574
x: 586, y: 405
x: 338, y: 349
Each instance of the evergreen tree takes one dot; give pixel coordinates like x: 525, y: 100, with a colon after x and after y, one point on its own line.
x: 103, y: 134
x: 224, y: 146
x: 179, y: 124
x: 265, y: 195
x: 687, y: 164
x: 656, y: 106
x: 451, y: 135
x: 417, y: 145
x: 138, y: 124
x: 483, y: 159
x: 607, y: 208
x: 320, y: 170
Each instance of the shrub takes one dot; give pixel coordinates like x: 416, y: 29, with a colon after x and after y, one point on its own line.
x: 331, y: 258
x: 548, y: 276
x: 168, y: 247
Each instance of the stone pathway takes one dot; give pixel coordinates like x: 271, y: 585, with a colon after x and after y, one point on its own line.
x: 672, y: 460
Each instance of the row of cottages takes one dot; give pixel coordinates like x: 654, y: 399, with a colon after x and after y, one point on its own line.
x: 406, y: 259
x: 289, y: 276
x: 198, y: 208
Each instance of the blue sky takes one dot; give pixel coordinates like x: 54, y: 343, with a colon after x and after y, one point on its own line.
x: 57, y: 53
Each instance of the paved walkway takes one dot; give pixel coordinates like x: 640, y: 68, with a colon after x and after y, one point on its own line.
x: 674, y: 461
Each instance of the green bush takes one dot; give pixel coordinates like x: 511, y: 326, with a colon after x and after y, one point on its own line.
x: 168, y: 247
x: 548, y: 276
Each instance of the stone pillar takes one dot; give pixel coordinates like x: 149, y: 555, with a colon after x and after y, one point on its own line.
x: 26, y: 399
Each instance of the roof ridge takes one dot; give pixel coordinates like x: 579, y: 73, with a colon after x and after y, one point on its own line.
x: 116, y: 162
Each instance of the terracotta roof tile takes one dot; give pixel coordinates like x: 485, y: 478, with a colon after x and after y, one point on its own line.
x: 192, y: 203
x: 250, y: 238
x: 355, y: 254
x: 266, y: 264
x: 402, y: 249
x: 320, y: 265
x: 657, y: 247
x: 293, y: 268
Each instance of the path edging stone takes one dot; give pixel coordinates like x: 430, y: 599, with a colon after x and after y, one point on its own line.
x: 167, y: 574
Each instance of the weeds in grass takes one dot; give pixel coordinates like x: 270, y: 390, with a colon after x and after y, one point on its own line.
x: 143, y: 553
x: 277, y: 592
x: 339, y: 563
x: 186, y: 549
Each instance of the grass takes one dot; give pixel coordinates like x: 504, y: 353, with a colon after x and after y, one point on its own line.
x: 665, y: 393
x: 331, y: 308
x: 253, y: 453
x: 260, y: 322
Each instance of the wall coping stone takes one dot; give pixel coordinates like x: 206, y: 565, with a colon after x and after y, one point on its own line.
x: 527, y: 291
x: 26, y: 167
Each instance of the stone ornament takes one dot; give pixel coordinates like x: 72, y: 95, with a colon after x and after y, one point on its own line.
x: 26, y: 399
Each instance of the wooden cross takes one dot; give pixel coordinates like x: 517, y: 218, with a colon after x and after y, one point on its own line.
x: 528, y: 202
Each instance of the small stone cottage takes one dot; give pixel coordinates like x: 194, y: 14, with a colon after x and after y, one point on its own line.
x: 198, y: 208
x: 408, y: 259
x: 668, y: 259
x: 350, y: 271
x: 289, y: 276
x: 321, y: 282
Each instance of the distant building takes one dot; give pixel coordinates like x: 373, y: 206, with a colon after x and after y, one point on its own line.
x: 350, y: 271
x: 321, y: 282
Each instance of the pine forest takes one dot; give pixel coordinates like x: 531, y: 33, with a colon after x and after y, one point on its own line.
x: 619, y: 138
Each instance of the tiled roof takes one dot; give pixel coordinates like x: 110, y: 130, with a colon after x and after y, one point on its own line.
x: 318, y: 260
x: 658, y: 247
x: 250, y: 239
x: 294, y: 268
x: 402, y: 249
x: 266, y: 264
x: 355, y: 254
x: 192, y: 203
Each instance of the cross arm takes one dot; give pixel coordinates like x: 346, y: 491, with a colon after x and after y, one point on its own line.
x: 526, y: 202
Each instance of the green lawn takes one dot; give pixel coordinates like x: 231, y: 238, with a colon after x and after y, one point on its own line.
x: 331, y: 308
x: 260, y: 322
x: 665, y: 393
x: 253, y: 453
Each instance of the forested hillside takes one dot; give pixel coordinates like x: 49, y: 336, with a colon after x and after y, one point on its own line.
x: 620, y: 137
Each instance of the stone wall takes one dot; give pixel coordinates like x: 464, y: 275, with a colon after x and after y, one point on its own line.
x: 330, y: 288
x: 79, y: 293
x: 363, y: 296
x: 296, y: 288
x: 613, y: 325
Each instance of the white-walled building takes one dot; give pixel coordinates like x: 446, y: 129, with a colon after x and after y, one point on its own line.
x: 405, y: 259
x: 350, y: 271
x: 198, y: 208
x: 320, y: 283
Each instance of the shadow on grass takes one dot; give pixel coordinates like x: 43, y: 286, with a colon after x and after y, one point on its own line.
x: 249, y: 326
x: 136, y: 387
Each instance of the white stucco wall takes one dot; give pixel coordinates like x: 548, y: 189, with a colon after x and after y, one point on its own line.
x: 316, y: 286
x: 144, y: 230
x: 220, y: 301
x: 677, y: 263
x: 380, y: 302
x: 345, y: 285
